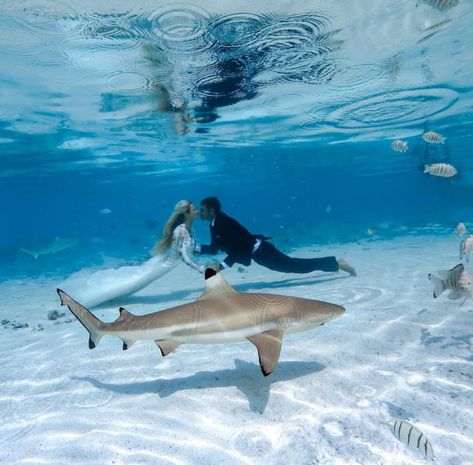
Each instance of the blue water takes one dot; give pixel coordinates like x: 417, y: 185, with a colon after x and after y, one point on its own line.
x: 286, y: 115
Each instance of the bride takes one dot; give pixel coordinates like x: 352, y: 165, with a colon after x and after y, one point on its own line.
x: 176, y: 245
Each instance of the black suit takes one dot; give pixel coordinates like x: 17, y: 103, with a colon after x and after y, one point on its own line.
x: 232, y: 238
x: 238, y: 243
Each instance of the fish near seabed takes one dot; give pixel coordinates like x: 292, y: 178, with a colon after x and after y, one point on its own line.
x: 219, y: 315
x: 457, y: 280
x: 444, y: 170
x: 399, y: 146
x: 466, y: 247
x: 433, y: 137
x: 409, y: 435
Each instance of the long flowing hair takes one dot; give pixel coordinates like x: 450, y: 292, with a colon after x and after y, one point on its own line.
x: 177, y: 217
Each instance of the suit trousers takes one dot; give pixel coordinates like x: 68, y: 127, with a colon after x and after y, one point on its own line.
x: 267, y: 255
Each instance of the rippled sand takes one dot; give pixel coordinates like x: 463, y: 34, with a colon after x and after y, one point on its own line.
x: 395, y: 351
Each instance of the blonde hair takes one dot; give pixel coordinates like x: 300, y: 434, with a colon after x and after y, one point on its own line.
x: 176, y: 218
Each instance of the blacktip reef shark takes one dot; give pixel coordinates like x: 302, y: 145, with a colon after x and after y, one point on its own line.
x: 56, y: 246
x: 219, y: 315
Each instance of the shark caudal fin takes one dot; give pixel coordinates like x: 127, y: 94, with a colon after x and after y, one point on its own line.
x: 34, y: 254
x: 92, y: 324
x: 438, y: 283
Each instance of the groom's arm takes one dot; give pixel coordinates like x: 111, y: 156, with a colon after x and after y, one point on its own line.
x: 210, y: 249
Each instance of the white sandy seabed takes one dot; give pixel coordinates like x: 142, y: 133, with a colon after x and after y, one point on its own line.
x: 396, y: 352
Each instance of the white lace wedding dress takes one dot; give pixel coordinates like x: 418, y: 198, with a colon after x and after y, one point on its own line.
x: 112, y: 283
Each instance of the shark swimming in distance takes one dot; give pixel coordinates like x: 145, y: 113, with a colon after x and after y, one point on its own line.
x: 57, y: 245
x: 219, y: 315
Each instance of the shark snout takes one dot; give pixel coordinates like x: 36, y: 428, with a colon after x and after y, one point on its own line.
x: 338, y: 310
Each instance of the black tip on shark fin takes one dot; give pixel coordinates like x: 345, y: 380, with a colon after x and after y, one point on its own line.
x: 91, y: 343
x: 125, y: 346
x: 60, y: 293
x: 265, y: 373
x: 209, y: 273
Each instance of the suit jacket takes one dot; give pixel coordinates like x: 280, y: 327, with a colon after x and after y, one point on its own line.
x: 232, y: 238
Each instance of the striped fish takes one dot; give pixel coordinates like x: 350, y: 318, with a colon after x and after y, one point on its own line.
x: 442, y: 5
x: 433, y: 137
x: 410, y: 435
x: 444, y: 170
x: 432, y: 30
x: 457, y: 280
x: 466, y: 247
x: 399, y: 146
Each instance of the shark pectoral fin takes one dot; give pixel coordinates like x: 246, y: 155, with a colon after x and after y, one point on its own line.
x: 167, y: 347
x: 269, y: 348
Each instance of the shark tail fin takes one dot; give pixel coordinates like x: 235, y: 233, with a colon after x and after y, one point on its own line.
x: 439, y: 286
x: 91, y: 323
x: 34, y: 254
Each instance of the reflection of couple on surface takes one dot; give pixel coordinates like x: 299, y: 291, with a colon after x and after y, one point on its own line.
x: 178, y: 245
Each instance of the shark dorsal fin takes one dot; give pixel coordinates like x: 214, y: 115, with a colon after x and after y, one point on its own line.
x: 215, y: 286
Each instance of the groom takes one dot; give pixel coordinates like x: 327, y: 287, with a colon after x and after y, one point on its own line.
x: 241, y: 246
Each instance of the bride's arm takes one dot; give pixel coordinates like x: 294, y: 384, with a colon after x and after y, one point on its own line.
x: 184, y: 244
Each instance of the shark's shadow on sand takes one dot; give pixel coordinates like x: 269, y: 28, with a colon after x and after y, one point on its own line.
x: 188, y: 294
x: 246, y: 378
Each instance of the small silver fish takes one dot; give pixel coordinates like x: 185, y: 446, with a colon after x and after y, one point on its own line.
x: 461, y: 230
x: 399, y: 146
x: 433, y: 137
x: 410, y: 435
x: 442, y: 5
x: 466, y: 248
x: 444, y: 170
x: 457, y: 280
